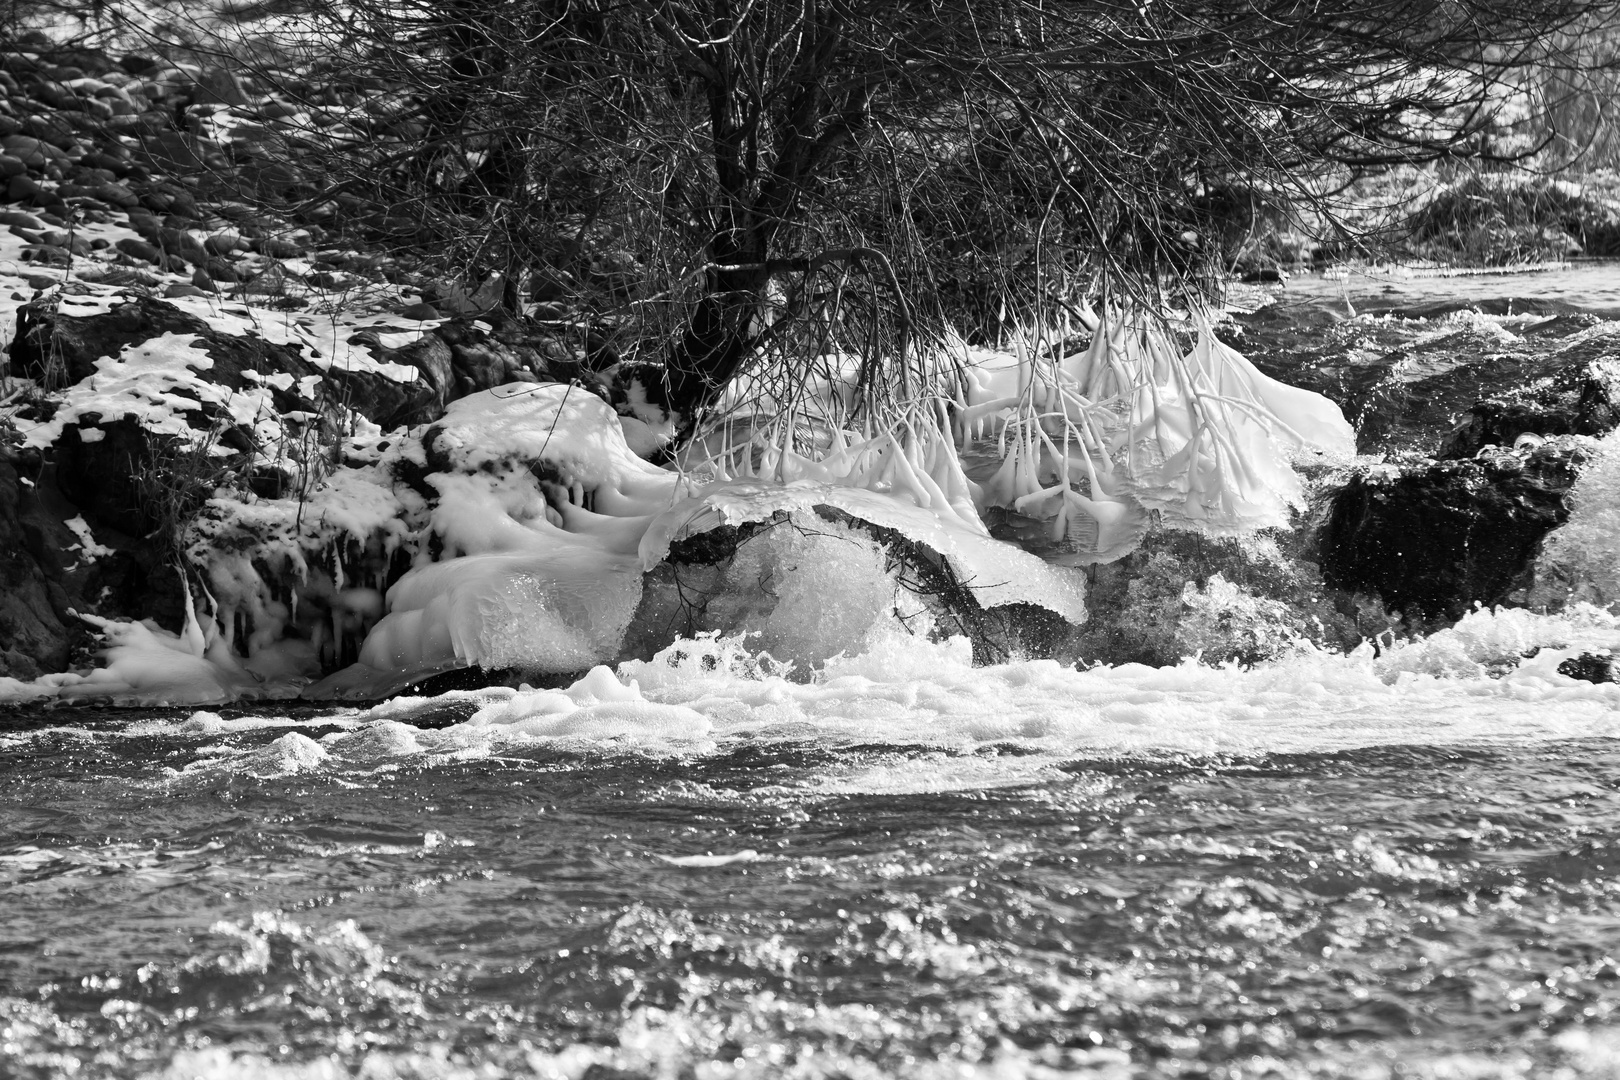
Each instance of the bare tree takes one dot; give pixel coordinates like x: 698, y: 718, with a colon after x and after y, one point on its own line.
x: 717, y: 175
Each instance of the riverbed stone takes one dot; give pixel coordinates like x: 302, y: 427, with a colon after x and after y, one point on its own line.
x: 1434, y: 540
x: 1575, y: 391
x: 712, y: 582
x: 1593, y: 667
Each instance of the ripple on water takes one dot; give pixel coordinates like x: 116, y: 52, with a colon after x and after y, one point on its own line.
x: 1332, y: 867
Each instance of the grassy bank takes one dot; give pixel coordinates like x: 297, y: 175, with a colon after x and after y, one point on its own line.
x: 1467, y: 217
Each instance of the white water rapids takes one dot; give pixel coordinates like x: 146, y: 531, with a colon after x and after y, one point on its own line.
x: 1396, y: 863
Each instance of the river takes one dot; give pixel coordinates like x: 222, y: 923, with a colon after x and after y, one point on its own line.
x: 1590, y: 285
x: 1397, y: 863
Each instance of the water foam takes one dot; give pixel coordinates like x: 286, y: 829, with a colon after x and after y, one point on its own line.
x: 1493, y: 678
x: 1580, y: 560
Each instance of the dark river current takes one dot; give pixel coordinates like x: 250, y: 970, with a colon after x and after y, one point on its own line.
x: 169, y: 906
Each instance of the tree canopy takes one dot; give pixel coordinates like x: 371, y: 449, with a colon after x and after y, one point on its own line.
x: 717, y: 175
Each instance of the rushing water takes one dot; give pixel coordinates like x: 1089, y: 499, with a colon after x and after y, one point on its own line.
x: 1592, y: 285
x: 1332, y: 866
x: 1399, y: 863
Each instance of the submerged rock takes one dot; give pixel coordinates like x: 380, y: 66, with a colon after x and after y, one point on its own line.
x: 1422, y: 389
x: 1590, y: 667
x: 1408, y: 376
x: 1594, y: 667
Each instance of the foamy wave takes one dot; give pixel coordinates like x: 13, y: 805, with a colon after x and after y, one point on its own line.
x: 1493, y: 677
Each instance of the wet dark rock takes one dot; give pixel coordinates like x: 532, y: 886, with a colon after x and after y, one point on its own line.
x: 266, y: 280
x: 460, y: 358
x: 218, y: 85
x: 474, y: 678
x: 153, y: 202
x: 115, y: 193
x: 75, y: 243
x: 123, y: 275
x: 104, y: 476
x: 45, y: 573
x: 1596, y: 667
x: 428, y: 355
x: 35, y: 632
x: 47, y: 340
x: 1434, y: 540
x: 32, y: 151
x: 45, y: 255
x: 110, y: 160
x: 1404, y: 397
x: 224, y: 244
x: 221, y: 270
x: 1578, y: 395
x: 59, y: 129
x: 181, y: 153
x: 182, y: 243
x: 420, y: 312
x: 1425, y: 389
x: 481, y: 365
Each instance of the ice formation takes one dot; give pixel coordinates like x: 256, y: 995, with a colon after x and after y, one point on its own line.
x: 1097, y: 441
x: 143, y: 664
x: 515, y: 530
x: 541, y: 507
x: 997, y: 573
x: 546, y: 517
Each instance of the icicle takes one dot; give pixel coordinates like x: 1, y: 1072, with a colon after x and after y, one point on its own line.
x: 192, y: 633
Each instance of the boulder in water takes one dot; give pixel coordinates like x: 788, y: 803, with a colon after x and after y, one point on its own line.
x: 1590, y: 667
x: 1575, y: 392
x: 806, y: 586
x: 1437, y: 539
x: 1242, y: 600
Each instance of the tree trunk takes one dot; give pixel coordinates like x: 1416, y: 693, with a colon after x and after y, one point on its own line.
x: 717, y: 340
